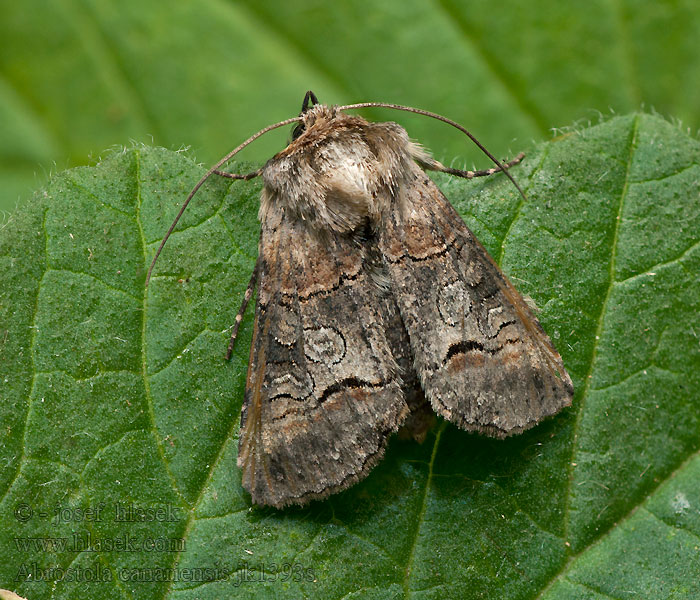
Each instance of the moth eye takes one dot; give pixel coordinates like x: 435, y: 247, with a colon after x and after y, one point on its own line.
x: 298, y: 130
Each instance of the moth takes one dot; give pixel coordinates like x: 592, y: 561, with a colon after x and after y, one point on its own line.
x: 375, y: 304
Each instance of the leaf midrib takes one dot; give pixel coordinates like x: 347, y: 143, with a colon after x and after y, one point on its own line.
x: 421, y: 513
x: 32, y: 354
x: 589, y: 376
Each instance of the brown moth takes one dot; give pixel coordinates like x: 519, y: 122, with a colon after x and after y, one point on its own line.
x: 374, y: 303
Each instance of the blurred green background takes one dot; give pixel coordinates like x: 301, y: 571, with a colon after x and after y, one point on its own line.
x: 80, y: 76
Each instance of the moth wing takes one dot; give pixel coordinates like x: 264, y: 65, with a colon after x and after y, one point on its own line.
x: 323, y: 393
x: 484, y: 360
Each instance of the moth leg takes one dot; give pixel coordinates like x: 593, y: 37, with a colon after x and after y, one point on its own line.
x: 437, y: 166
x: 241, y: 311
x: 244, y: 177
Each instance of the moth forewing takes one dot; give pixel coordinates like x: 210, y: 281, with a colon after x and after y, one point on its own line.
x: 323, y: 391
x: 484, y: 361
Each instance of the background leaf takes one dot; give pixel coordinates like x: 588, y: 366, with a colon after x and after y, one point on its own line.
x: 120, y: 416
x: 78, y: 76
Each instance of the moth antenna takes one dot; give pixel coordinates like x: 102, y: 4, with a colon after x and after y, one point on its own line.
x: 427, y: 113
x: 208, y: 174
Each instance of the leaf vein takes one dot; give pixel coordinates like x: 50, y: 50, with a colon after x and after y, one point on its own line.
x: 500, y: 74
x: 178, y: 353
x: 625, y: 379
x: 98, y: 280
x: 599, y: 329
x: 144, y: 323
x: 90, y: 194
x: 649, y: 271
x: 312, y: 60
x: 521, y: 204
x: 421, y: 514
x: 669, y: 525
x: 667, y: 176
x: 592, y: 589
x: 32, y: 350
x: 618, y: 524
x: 88, y: 27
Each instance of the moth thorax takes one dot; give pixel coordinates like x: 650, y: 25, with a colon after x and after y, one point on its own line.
x: 334, y: 185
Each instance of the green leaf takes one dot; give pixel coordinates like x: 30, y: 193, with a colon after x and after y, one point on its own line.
x: 77, y: 76
x: 120, y: 415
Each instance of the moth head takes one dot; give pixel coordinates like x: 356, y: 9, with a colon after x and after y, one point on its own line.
x: 310, y: 100
x: 319, y: 116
